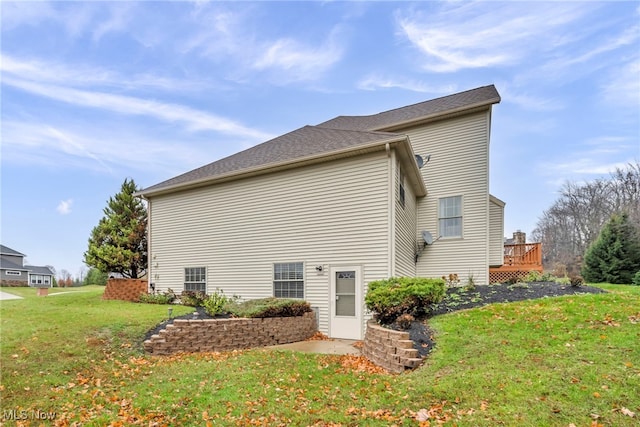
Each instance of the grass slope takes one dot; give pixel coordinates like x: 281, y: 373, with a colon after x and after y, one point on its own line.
x: 572, y: 360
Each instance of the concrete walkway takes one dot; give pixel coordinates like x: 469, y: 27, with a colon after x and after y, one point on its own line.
x: 332, y: 346
x: 7, y: 296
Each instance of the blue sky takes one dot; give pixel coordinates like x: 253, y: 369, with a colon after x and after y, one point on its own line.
x: 96, y: 92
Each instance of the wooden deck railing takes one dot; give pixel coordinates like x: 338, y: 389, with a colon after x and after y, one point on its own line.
x: 518, y: 261
x: 526, y: 255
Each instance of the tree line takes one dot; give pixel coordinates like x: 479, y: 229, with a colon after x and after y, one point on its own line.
x: 576, y: 219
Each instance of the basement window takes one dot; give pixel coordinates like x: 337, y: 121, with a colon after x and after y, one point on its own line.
x: 288, y: 280
x: 195, y: 279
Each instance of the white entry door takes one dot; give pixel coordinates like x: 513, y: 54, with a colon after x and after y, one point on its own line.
x: 346, y: 302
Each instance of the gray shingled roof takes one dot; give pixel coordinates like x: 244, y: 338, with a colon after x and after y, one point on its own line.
x: 338, y: 134
x: 5, y: 250
x: 485, y: 95
x: 35, y: 269
x: 305, y: 142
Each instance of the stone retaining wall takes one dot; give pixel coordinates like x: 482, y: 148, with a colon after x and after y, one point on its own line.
x: 14, y: 283
x: 389, y: 349
x: 125, y: 289
x: 207, y: 335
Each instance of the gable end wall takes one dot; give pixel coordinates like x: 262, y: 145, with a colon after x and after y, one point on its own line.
x: 459, y: 166
x: 334, y: 213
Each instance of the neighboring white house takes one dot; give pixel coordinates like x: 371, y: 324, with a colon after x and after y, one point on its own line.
x: 320, y: 212
x: 13, y: 272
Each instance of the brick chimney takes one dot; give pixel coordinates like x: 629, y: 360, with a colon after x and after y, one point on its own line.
x: 519, y: 237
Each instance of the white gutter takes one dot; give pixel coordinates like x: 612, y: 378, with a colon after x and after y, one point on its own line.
x: 271, y: 167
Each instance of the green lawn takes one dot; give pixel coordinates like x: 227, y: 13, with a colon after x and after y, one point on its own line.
x: 555, y: 362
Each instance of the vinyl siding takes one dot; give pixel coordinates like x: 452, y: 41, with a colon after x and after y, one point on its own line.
x: 496, y: 233
x: 335, y: 213
x: 405, y: 228
x: 459, y: 166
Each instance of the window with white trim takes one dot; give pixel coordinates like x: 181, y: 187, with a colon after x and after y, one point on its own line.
x: 401, y: 190
x: 450, y: 216
x: 288, y: 280
x: 195, y: 279
x: 13, y: 273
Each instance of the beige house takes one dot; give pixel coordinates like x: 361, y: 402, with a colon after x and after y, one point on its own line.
x: 320, y: 212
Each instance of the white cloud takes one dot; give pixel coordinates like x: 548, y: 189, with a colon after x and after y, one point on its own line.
x: 528, y: 101
x: 64, y: 207
x: 623, y: 86
x: 105, y: 150
x: 82, y: 75
x: 193, y: 119
x: 299, y: 61
x: 374, y: 81
x: 120, y: 16
x: 479, y: 34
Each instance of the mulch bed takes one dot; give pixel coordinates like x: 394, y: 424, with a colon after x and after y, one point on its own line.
x: 459, y: 298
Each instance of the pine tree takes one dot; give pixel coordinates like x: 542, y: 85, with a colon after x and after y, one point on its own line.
x: 614, y: 257
x: 118, y: 244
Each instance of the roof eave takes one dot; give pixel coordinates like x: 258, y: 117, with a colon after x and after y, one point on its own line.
x: 272, y: 167
x: 465, y: 109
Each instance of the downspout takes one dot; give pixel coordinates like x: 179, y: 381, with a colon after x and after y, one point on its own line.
x: 485, y: 277
x: 391, y: 247
x: 149, y: 258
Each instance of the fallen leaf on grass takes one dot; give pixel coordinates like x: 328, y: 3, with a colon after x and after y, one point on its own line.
x: 627, y: 412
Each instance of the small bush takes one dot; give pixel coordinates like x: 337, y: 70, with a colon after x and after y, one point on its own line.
x: 404, y: 321
x: 563, y: 281
x: 452, y: 280
x: 270, y: 307
x: 576, y: 281
x: 547, y: 277
x: 536, y: 276
x: 158, y: 298
x: 193, y: 298
x: 391, y: 298
x: 636, y: 279
x: 532, y: 276
x: 217, y: 303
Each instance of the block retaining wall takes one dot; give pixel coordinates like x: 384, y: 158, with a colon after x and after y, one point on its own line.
x: 207, y: 335
x: 389, y: 349
x: 14, y: 283
x: 125, y: 289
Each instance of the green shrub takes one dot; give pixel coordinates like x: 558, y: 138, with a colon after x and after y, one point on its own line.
x: 563, y: 280
x: 269, y: 307
x: 636, y: 279
x: 532, y: 276
x: 158, y: 298
x: 217, y: 303
x: 391, y: 298
x: 193, y: 298
x: 547, y: 277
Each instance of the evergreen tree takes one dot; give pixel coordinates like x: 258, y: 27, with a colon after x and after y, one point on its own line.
x: 614, y: 256
x: 118, y: 244
x: 95, y: 277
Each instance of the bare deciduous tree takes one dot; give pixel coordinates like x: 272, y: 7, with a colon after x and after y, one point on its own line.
x: 575, y: 219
